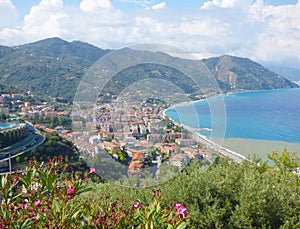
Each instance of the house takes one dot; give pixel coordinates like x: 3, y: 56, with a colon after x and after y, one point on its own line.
x: 107, y: 145
x: 168, y: 148
x: 136, y: 163
x: 207, y: 155
x: 134, y: 168
x: 180, y: 159
x: 174, y: 135
x: 192, y: 153
x: 154, y: 137
x: 185, y: 142
x: 94, y: 140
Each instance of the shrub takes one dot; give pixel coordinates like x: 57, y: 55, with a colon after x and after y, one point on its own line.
x: 45, y: 196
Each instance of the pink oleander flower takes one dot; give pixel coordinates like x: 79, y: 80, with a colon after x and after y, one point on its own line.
x: 178, y: 206
x: 16, y: 178
x: 182, y: 211
x: 26, y: 205
x: 137, y: 205
x: 92, y: 171
x: 37, y: 203
x: 70, y: 190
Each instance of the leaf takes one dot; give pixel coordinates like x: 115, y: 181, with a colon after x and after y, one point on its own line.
x: 55, y: 205
x: 26, y: 223
x: 182, y: 225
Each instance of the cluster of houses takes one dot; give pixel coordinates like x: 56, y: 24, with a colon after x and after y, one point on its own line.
x: 29, y: 111
x: 15, y: 99
x: 137, y: 136
x: 19, y: 103
x: 139, y: 133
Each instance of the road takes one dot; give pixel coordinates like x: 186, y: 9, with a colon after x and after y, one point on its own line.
x: 213, y: 146
x: 219, y: 149
x: 38, y: 140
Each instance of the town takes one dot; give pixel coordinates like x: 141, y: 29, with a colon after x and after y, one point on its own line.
x: 139, y: 138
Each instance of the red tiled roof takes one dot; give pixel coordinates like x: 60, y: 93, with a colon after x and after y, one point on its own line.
x: 137, y: 156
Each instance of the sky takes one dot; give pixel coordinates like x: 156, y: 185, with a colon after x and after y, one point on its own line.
x: 267, y: 31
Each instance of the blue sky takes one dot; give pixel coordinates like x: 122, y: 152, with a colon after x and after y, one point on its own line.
x: 267, y: 31
x: 24, y: 6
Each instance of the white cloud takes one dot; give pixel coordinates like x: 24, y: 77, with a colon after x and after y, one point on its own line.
x: 8, y: 14
x: 94, y: 5
x: 255, y: 30
x: 44, y: 20
x: 143, y: 3
x: 203, y: 27
x: 159, y: 6
x: 219, y: 3
x: 280, y: 39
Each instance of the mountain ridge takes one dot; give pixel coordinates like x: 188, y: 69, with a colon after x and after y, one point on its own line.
x: 54, y: 67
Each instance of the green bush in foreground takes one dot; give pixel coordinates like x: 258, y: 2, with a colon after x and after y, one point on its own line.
x: 224, y: 195
x: 227, y: 194
x: 44, y: 196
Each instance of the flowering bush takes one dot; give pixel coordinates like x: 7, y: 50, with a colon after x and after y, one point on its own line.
x: 44, y: 196
x: 41, y: 197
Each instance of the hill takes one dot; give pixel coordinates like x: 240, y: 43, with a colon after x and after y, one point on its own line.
x: 51, y: 67
x: 54, y: 67
x: 289, y: 73
x: 237, y: 73
x: 194, y: 77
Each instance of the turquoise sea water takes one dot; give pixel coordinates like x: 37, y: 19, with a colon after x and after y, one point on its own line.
x: 263, y: 115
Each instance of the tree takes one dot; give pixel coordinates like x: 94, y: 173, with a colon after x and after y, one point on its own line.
x: 284, y: 162
x: 3, y: 117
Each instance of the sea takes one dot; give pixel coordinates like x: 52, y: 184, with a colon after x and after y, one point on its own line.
x: 272, y: 115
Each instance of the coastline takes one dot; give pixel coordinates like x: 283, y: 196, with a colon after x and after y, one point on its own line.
x: 239, y: 158
x: 243, y: 148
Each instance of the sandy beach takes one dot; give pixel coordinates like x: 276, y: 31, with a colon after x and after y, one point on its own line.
x: 261, y: 148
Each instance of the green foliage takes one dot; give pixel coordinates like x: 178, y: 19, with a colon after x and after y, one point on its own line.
x: 54, y: 67
x: 243, y: 74
x: 41, y: 197
x: 53, y: 121
x: 51, y: 67
x: 225, y: 195
x: 46, y: 196
x: 284, y: 162
x: 55, y: 146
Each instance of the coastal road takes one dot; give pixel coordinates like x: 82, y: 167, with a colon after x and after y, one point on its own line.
x: 38, y: 140
x: 219, y: 149
x: 213, y: 146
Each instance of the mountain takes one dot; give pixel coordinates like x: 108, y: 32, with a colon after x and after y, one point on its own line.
x: 54, y: 67
x: 289, y: 73
x: 237, y: 73
x: 51, y: 67
x: 231, y: 73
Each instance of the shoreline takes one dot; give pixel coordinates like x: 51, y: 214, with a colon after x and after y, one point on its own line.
x: 239, y: 158
x: 237, y: 147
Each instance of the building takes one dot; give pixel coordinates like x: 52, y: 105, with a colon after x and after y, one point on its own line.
x: 11, y: 133
x: 180, y: 159
x: 185, y: 142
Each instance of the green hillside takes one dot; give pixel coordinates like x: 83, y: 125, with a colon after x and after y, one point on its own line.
x: 54, y: 67
x: 237, y: 73
x: 51, y: 67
